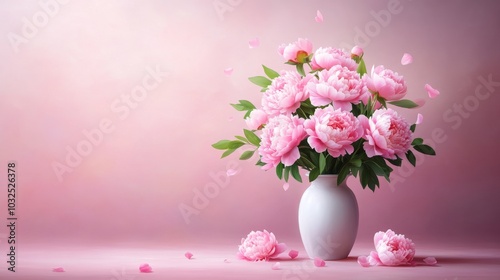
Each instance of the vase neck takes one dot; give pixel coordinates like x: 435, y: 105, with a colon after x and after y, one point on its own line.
x: 329, y: 179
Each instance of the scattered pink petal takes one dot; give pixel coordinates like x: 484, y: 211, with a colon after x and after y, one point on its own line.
x: 145, y: 268
x: 293, y: 254
x: 420, y: 102
x: 188, y: 255
x: 318, y: 262
x: 319, y: 17
x: 420, y: 119
x: 231, y: 172
x: 276, y: 266
x: 433, y: 93
x: 286, y: 186
x: 430, y: 260
x: 58, y: 269
x: 227, y: 261
x: 228, y: 71
x: 363, y: 261
x: 254, y: 43
x: 406, y: 59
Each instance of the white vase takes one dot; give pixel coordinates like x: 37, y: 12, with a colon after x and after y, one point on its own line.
x: 328, y: 218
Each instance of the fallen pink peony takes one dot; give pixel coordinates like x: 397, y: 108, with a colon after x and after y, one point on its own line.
x: 259, y: 246
x: 391, y: 250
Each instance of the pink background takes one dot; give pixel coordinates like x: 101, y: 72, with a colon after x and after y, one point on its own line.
x: 129, y: 188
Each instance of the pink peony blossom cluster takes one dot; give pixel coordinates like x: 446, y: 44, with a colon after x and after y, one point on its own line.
x: 337, y: 114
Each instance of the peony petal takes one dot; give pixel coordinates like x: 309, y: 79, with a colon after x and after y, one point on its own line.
x: 58, y: 269
x: 278, y: 249
x: 293, y: 254
x: 145, y: 268
x: 319, y: 17
x: 430, y: 261
x: 188, y: 255
x: 231, y: 172
x: 318, y: 262
x: 420, y: 119
x: 406, y: 59
x: 254, y: 43
x: 433, y: 93
x: 363, y: 261
x: 276, y: 266
x: 286, y: 186
x: 228, y: 71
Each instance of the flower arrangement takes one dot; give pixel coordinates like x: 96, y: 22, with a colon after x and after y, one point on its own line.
x: 333, y: 119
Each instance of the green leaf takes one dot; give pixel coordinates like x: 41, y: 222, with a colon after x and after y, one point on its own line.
x: 381, y: 100
x: 322, y: 163
x: 279, y: 170
x: 411, y: 158
x: 368, y: 178
x: 246, y: 155
x: 221, y: 145
x: 238, y: 107
x: 227, y: 152
x: 396, y: 162
x: 296, y: 173
x: 270, y: 72
x: 242, y: 139
x: 356, y: 162
x: 260, y: 163
x: 417, y: 141
x: 235, y: 144
x: 378, y: 169
x: 313, y: 174
x: 260, y: 81
x: 247, y: 104
x: 344, y: 172
x: 300, y: 69
x: 252, y: 137
x: 425, y: 149
x: 412, y: 127
x: 404, y: 103
x: 286, y: 174
x: 361, y: 67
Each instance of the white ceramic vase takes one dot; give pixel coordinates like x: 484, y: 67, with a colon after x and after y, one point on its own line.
x: 328, y: 218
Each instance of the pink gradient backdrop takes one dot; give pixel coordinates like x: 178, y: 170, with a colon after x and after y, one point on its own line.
x: 65, y: 79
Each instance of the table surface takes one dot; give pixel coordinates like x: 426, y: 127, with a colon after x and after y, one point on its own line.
x: 218, y: 261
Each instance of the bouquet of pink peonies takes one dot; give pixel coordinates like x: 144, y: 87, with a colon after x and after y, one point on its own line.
x: 333, y: 119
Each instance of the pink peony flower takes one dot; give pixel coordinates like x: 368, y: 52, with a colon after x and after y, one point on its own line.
x: 333, y: 130
x: 296, y: 51
x: 389, y: 84
x: 388, y: 134
x: 257, y: 119
x: 392, y: 249
x: 326, y: 58
x: 285, y: 93
x: 280, y: 140
x: 339, y: 86
x: 356, y: 51
x: 260, y: 245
